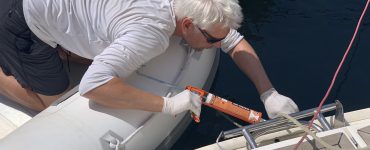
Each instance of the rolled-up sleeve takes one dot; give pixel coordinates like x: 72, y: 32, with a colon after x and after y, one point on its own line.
x: 124, y: 55
x: 231, y: 40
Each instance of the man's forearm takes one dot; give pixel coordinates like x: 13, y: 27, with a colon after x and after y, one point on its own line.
x: 247, y: 60
x: 117, y: 94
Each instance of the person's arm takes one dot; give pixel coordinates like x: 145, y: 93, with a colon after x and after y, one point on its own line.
x: 247, y: 60
x: 103, y: 82
x: 117, y: 94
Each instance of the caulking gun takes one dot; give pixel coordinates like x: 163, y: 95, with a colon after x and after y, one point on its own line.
x: 225, y: 106
x: 217, y: 103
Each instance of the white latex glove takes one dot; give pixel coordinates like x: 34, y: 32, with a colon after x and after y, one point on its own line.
x: 183, y: 101
x: 275, y: 103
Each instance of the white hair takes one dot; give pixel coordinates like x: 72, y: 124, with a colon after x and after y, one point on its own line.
x: 206, y: 13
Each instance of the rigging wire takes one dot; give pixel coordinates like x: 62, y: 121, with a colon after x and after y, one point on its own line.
x: 335, y: 75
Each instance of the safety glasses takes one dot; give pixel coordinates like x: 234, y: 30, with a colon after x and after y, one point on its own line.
x: 210, y: 39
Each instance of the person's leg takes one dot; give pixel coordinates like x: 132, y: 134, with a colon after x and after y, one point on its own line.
x: 11, y: 89
x: 44, y: 72
x: 48, y: 100
x: 32, y: 73
x: 14, y: 91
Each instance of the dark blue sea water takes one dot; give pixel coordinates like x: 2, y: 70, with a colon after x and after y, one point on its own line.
x: 300, y: 43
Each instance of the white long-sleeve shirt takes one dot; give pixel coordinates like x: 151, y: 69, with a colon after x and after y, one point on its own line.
x: 119, y: 35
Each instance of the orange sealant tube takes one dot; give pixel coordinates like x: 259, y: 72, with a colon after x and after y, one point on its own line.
x: 225, y: 106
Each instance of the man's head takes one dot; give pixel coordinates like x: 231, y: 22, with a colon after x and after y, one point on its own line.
x: 204, y: 23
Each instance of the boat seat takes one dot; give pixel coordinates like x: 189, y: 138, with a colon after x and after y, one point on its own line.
x: 338, y: 140
x: 365, y: 134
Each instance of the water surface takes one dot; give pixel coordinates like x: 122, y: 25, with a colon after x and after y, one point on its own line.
x: 300, y: 44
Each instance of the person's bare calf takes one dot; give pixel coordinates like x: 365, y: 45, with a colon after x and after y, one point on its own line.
x: 13, y: 90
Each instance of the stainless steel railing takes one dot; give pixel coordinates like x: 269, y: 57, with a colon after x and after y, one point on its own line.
x: 251, y: 132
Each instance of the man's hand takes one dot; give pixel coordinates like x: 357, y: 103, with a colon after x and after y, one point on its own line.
x: 275, y: 103
x: 183, y: 101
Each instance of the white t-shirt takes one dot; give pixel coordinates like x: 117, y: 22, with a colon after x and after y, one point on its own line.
x: 119, y: 35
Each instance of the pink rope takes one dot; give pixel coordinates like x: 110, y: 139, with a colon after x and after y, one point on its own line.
x: 335, y: 75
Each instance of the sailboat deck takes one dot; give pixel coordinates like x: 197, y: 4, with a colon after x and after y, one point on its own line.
x: 365, y: 134
x: 355, y: 135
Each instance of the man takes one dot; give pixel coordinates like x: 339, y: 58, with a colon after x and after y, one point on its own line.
x: 120, y: 36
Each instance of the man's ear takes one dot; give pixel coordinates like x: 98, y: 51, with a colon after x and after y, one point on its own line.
x: 187, y: 23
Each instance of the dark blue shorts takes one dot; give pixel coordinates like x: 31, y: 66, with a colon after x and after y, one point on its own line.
x: 34, y: 64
